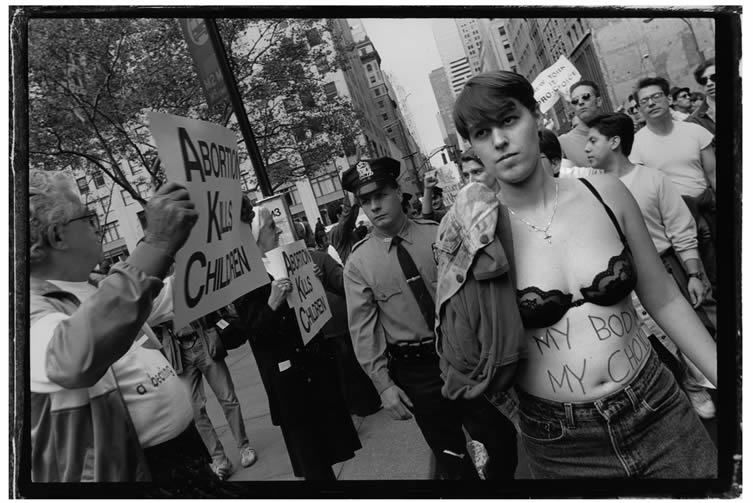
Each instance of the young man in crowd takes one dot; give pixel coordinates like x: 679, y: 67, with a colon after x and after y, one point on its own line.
x: 586, y: 98
x: 684, y: 153
x: 669, y: 223
x: 390, y: 282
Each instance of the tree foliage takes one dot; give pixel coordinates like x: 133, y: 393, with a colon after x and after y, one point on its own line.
x: 92, y: 81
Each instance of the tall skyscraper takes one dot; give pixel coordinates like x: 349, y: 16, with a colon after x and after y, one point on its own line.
x: 445, y: 102
x: 452, y: 51
x: 470, y: 35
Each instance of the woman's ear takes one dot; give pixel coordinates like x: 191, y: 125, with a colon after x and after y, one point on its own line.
x: 55, y: 237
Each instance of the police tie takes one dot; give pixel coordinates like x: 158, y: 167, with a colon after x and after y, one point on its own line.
x: 416, y: 282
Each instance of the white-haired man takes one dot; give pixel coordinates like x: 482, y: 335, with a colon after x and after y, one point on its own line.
x: 106, y: 406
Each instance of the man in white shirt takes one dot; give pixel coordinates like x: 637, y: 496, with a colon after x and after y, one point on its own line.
x: 684, y: 152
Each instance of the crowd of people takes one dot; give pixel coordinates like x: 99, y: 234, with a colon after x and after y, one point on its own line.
x: 560, y: 301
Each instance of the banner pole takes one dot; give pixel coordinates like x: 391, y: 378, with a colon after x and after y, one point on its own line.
x: 239, y: 109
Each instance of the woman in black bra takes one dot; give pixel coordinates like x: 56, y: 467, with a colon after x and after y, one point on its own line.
x: 594, y: 400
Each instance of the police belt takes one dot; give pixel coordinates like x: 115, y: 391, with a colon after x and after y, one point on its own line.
x: 412, y: 350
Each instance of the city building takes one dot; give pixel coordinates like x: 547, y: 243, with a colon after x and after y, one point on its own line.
x: 452, y: 52
x: 470, y: 35
x: 496, y: 51
x: 445, y: 101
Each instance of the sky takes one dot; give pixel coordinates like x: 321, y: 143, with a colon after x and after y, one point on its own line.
x: 410, y: 57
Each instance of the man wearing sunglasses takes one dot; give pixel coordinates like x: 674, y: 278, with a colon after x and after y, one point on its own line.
x: 586, y: 100
x: 705, y: 115
x: 684, y: 152
x: 680, y: 103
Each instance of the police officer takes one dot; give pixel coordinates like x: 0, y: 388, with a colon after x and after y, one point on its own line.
x: 390, y: 279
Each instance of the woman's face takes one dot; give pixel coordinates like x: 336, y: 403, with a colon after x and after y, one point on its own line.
x: 269, y: 233
x: 508, y: 147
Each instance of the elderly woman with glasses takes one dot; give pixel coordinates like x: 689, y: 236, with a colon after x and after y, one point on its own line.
x: 105, y: 404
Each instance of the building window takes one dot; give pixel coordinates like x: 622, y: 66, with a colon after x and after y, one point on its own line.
x: 83, y: 187
x: 385, y: 117
x: 381, y: 103
x: 127, y: 199
x: 105, y: 202
x: 323, y: 186
x: 330, y: 89
x: 111, y: 232
x: 502, y: 30
x: 99, y: 179
x: 369, y: 67
x: 135, y: 170
x: 294, y: 197
x: 377, y: 92
x: 372, y: 79
x: 389, y: 130
x: 143, y: 189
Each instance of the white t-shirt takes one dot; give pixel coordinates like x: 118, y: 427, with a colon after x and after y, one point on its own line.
x: 677, y: 155
x: 157, y: 400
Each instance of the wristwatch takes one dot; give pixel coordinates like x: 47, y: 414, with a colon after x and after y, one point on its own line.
x: 698, y: 275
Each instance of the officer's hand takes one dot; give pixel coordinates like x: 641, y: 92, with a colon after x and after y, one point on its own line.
x: 247, y: 210
x: 170, y: 216
x: 280, y: 289
x: 697, y: 291
x: 397, y: 403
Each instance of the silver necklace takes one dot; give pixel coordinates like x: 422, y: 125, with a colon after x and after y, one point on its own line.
x: 545, y: 230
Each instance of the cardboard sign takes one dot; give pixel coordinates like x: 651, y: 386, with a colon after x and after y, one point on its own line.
x: 280, y: 212
x: 220, y: 261
x: 308, y: 299
x: 554, y: 82
x: 449, y: 180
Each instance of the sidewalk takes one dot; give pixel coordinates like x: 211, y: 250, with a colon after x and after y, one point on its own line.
x: 391, y: 449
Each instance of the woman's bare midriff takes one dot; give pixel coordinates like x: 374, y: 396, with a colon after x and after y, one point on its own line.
x: 590, y: 353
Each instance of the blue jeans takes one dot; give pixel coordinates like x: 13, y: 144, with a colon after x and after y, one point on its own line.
x: 197, y: 362
x: 647, y: 429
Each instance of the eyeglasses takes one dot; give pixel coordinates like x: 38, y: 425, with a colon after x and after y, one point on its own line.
x: 583, y: 97
x: 93, y: 220
x: 704, y: 80
x: 654, y: 97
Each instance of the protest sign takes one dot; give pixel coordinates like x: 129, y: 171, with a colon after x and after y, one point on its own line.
x: 554, y: 82
x: 280, y: 212
x: 307, y: 299
x: 220, y: 261
x: 449, y: 180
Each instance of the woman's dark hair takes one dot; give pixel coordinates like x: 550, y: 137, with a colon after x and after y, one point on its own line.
x: 617, y: 124
x: 653, y: 81
x: 486, y: 97
x: 702, y: 68
x: 549, y: 145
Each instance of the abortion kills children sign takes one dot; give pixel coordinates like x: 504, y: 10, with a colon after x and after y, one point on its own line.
x: 307, y: 299
x: 220, y: 260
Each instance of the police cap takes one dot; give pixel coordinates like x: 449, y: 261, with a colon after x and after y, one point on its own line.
x: 370, y: 175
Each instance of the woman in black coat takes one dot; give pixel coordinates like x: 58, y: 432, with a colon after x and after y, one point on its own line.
x: 300, y: 381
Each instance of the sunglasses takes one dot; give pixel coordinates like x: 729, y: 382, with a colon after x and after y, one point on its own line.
x: 583, y: 97
x: 632, y: 110
x: 682, y: 96
x: 704, y: 80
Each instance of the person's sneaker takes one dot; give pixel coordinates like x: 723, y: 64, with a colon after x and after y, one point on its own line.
x: 248, y: 456
x: 221, y: 468
x: 702, y: 403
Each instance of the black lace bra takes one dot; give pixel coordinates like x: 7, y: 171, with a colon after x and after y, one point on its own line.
x: 539, y: 309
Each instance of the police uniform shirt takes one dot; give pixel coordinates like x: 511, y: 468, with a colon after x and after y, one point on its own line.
x: 381, y: 306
